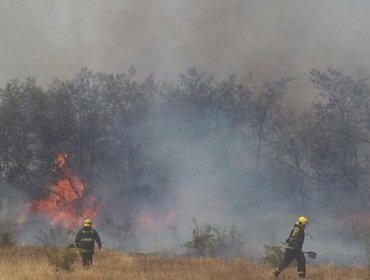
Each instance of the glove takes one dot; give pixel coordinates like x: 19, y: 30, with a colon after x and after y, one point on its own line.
x: 292, y: 244
x: 99, y: 246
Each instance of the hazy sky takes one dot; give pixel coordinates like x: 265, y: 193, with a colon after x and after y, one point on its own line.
x: 270, y: 38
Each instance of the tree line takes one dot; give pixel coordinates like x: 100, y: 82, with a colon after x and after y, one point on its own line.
x: 312, y: 156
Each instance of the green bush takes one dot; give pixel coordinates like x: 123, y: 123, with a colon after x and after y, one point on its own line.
x: 6, y: 239
x: 58, y: 247
x: 61, y: 258
x: 210, y: 240
x: 273, y: 255
x: 8, y: 235
x: 205, y: 242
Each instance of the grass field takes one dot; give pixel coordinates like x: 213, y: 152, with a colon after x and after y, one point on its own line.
x: 32, y: 263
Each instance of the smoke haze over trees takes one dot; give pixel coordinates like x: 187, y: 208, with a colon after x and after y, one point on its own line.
x: 224, y: 151
x: 214, y: 142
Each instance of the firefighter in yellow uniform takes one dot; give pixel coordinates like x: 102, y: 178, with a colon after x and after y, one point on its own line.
x: 293, y: 249
x: 85, y: 241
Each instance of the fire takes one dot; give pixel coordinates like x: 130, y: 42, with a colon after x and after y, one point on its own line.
x: 170, y: 219
x: 149, y: 221
x: 356, y: 219
x: 66, y: 203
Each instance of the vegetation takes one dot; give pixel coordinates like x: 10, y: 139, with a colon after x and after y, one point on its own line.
x: 105, y: 123
x: 31, y: 263
x: 273, y: 255
x: 6, y: 239
x: 61, y: 258
x: 111, y: 125
x: 357, y: 228
x: 206, y: 241
x: 210, y: 240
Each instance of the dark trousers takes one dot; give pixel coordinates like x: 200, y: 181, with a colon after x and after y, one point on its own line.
x: 86, y: 259
x: 288, y: 256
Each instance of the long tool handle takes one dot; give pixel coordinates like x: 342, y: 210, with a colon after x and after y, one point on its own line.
x: 310, y: 254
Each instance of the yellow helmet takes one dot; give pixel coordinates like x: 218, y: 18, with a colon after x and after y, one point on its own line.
x: 302, y: 221
x: 87, y: 223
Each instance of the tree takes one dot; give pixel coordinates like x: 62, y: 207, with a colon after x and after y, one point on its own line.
x: 22, y: 117
x: 339, y: 144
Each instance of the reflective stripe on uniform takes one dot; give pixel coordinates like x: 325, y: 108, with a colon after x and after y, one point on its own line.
x: 86, y: 251
x: 87, y: 239
x: 295, y: 232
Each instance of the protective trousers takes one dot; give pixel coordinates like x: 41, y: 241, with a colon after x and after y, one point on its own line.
x: 86, y: 259
x: 288, y: 256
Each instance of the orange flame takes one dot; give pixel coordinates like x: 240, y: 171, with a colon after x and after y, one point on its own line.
x: 66, y: 204
x: 148, y: 221
x: 171, y: 217
x: 356, y: 219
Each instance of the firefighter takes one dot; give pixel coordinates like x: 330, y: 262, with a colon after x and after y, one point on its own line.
x: 85, y: 241
x: 293, y: 249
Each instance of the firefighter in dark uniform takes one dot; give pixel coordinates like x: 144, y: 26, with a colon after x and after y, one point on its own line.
x: 85, y: 241
x: 293, y: 249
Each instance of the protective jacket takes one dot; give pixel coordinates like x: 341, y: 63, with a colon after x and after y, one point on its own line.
x: 296, y: 238
x: 86, y: 238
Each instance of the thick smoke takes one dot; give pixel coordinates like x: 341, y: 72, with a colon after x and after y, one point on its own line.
x: 47, y: 39
x: 212, y: 181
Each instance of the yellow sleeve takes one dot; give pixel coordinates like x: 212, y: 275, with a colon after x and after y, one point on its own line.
x: 295, y: 232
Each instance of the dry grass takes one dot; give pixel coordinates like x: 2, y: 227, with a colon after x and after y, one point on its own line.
x: 25, y: 263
